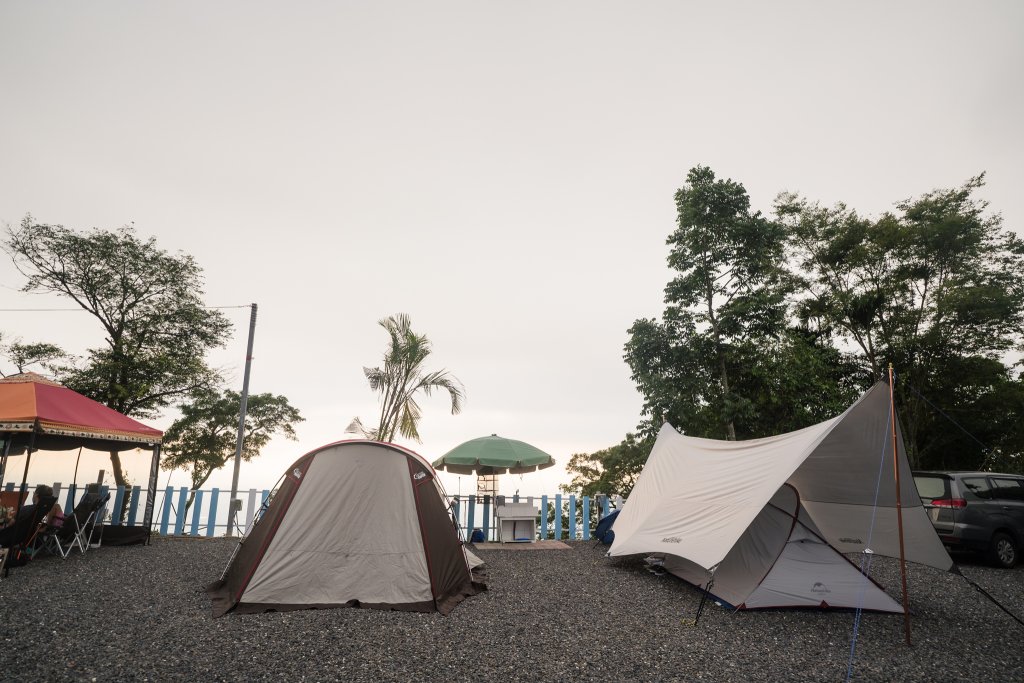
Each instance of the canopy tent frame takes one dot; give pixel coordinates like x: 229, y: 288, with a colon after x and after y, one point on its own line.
x: 49, y: 416
x: 29, y: 448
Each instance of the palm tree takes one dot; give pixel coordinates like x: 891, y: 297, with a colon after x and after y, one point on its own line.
x: 400, y: 379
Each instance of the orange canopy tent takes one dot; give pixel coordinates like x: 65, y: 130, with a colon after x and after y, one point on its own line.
x: 37, y: 414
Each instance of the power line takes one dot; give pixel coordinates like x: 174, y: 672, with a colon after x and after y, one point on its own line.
x: 42, y: 310
x: 82, y: 310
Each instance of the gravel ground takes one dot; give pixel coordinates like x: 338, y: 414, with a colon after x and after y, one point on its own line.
x: 140, y: 613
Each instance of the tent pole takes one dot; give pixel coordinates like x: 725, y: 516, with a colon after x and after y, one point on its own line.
x: 899, y: 510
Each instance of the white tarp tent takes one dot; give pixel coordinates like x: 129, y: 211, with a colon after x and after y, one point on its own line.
x: 711, y: 507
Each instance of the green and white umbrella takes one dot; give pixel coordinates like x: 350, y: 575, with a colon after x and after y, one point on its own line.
x: 493, y: 455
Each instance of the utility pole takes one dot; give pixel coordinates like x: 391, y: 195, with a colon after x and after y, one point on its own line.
x: 236, y: 504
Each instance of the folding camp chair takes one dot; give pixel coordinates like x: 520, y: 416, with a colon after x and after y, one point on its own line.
x: 76, y: 529
x: 25, y: 531
x: 97, y: 520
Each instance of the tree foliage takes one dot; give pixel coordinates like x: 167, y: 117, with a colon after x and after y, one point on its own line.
x: 612, y: 471
x: 726, y: 360
x: 772, y: 325
x: 23, y: 356
x: 147, y: 303
x: 401, y: 378
x: 204, y: 438
x: 935, y: 288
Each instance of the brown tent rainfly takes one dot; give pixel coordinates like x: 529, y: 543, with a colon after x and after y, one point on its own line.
x: 352, y: 524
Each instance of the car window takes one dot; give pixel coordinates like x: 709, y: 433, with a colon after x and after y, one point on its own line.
x: 930, y: 488
x: 1011, y: 489
x: 978, y: 486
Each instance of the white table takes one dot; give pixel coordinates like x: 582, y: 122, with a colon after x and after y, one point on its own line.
x: 517, y: 523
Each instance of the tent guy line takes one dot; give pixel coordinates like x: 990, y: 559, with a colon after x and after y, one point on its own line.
x: 865, y: 563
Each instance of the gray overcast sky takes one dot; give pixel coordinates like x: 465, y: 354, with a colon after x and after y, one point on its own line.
x: 503, y: 172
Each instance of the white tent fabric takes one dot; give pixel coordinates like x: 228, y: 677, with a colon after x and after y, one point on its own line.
x: 781, y: 560
x: 472, y: 560
x: 696, y: 498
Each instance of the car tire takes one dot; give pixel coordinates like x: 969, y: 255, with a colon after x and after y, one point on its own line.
x: 1003, y: 550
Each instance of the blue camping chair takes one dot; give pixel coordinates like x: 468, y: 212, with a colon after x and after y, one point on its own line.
x: 604, y: 532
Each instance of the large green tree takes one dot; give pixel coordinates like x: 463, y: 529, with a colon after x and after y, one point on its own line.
x: 725, y: 360
x: 204, y: 438
x: 401, y: 378
x: 935, y: 288
x: 148, y: 306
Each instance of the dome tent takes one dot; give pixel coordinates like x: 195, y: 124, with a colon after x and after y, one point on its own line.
x: 352, y: 524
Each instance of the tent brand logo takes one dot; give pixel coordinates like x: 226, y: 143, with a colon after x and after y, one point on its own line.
x: 671, y: 539
x: 297, y: 472
x: 856, y: 541
x: 419, y: 475
x: 819, y: 587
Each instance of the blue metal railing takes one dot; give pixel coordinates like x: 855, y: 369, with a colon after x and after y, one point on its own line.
x: 169, y: 512
x: 559, y: 517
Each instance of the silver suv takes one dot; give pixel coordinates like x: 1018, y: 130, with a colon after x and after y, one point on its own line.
x: 977, y: 511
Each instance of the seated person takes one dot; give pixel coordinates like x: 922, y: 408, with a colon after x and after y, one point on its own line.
x: 15, y: 531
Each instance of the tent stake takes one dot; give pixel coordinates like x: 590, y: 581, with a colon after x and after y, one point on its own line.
x: 703, y: 599
x: 899, y: 510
